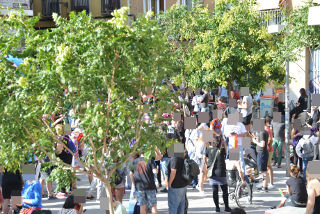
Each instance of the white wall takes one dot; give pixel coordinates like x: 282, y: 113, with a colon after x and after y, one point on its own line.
x: 297, y: 77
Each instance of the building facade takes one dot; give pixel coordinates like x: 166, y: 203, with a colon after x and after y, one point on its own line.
x: 305, y: 73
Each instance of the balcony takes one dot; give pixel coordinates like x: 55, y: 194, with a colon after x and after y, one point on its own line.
x: 16, y: 4
x: 108, y: 6
x: 80, y: 5
x: 49, y: 7
x: 272, y: 17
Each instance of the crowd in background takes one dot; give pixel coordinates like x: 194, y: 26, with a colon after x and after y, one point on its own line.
x: 213, y: 157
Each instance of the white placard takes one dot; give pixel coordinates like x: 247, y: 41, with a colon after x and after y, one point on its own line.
x: 314, y: 16
x: 267, y: 5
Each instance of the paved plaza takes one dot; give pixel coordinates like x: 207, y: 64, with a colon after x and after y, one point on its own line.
x: 197, y: 204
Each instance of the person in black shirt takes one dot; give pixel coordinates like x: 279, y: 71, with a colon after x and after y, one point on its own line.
x: 177, y: 186
x: 296, y: 190
x: 301, y: 105
x: 11, y: 185
x: 142, y: 177
x: 262, y: 155
x: 216, y: 155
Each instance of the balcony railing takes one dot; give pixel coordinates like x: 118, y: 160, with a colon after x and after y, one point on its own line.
x: 80, y: 5
x: 16, y: 4
x: 49, y: 7
x: 272, y: 17
x: 108, y: 6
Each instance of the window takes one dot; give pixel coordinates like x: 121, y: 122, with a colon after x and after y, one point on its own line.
x: 80, y: 5
x: 108, y: 6
x: 156, y: 6
x: 49, y: 7
x: 314, y: 71
x: 272, y: 17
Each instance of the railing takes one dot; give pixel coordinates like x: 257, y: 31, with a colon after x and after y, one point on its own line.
x: 49, y: 7
x: 80, y: 5
x: 108, y: 6
x: 272, y: 17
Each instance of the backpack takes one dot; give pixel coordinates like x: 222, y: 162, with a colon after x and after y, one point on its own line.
x: 190, y: 170
x: 307, y: 148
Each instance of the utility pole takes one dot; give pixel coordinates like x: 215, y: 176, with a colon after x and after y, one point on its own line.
x: 287, y: 120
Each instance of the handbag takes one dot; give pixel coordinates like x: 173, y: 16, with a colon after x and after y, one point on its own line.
x: 212, y: 165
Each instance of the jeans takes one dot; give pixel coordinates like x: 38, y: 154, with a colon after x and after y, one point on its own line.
x: 277, y: 144
x: 164, y: 166
x: 195, y: 181
x: 177, y: 200
x: 304, y: 166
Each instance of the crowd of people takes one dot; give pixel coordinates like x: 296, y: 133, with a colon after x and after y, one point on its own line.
x: 228, y: 121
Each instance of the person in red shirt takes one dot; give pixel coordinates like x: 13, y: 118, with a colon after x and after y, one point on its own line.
x: 234, y: 95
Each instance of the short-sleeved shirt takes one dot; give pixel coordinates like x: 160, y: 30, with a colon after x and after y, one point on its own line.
x: 224, y: 92
x: 264, y: 136
x: 278, y: 131
x: 143, y: 174
x: 248, y: 111
x: 298, y: 189
x: 238, y: 129
x: 178, y: 181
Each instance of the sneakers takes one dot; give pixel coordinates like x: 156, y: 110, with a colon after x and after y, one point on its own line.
x: 271, y: 186
x: 202, y: 194
x: 164, y: 190
x: 61, y: 195
x: 262, y: 189
x: 217, y: 209
x: 52, y: 197
x: 279, y: 166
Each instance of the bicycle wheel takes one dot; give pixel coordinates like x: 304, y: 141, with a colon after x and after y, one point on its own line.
x: 243, y: 195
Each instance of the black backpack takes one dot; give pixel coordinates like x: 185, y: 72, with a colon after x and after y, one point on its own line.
x: 190, y: 170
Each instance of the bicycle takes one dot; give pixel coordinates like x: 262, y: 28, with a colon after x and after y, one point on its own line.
x: 242, y: 194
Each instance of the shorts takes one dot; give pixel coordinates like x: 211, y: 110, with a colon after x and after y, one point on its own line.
x: 147, y: 196
x: 262, y: 161
x: 44, y: 175
x: 292, y: 203
x: 247, y: 119
x: 270, y: 158
x: 11, y: 189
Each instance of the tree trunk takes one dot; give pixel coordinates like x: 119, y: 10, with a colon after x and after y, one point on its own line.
x: 109, y: 194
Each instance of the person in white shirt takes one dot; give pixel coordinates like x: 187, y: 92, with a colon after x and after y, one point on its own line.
x: 196, y: 103
x: 235, y: 132
x: 245, y: 107
x: 200, y: 155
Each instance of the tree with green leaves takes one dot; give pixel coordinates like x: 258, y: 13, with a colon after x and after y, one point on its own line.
x: 299, y: 34
x: 90, y: 66
x: 229, y: 45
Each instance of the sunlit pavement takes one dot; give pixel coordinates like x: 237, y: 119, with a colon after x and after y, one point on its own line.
x: 197, y: 204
